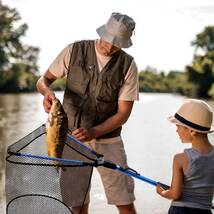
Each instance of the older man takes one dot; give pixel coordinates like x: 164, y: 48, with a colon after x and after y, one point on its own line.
x: 101, y: 87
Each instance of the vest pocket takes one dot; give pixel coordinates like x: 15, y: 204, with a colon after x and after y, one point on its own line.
x: 73, y: 113
x: 78, y: 80
x: 106, y: 106
x: 73, y: 104
x: 78, y: 88
x: 105, y: 110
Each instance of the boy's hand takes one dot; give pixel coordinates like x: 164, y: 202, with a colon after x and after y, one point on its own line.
x: 159, y: 189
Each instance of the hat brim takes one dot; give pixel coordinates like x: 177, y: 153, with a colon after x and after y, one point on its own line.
x: 116, y: 41
x: 172, y: 119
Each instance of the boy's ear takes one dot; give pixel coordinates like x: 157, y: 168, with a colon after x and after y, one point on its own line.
x: 192, y: 132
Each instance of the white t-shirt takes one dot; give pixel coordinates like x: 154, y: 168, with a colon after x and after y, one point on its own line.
x: 128, y: 92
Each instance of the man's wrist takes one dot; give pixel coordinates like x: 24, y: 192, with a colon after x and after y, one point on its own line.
x: 95, y: 132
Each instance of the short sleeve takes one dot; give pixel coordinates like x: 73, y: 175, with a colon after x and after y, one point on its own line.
x: 130, y: 89
x: 59, y: 66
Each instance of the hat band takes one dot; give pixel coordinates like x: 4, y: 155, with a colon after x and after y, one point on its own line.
x: 188, y: 123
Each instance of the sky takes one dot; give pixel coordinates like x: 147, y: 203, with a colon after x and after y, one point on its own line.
x: 163, y: 35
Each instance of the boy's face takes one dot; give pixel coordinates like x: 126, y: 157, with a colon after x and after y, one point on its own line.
x: 184, y: 133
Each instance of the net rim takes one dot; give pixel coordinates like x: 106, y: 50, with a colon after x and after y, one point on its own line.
x: 40, y: 195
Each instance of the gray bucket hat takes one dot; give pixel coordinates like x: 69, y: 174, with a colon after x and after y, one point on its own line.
x: 118, y: 30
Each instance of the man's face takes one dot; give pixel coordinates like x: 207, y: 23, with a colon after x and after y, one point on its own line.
x: 106, y: 48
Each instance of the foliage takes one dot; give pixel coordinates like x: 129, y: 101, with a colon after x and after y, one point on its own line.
x: 173, y: 82
x: 205, y: 39
x: 19, y: 69
x: 18, y: 61
x: 211, y: 91
x: 201, y: 72
x: 59, y: 84
x: 149, y: 81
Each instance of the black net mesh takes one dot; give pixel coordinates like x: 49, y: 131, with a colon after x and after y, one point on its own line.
x: 36, y: 184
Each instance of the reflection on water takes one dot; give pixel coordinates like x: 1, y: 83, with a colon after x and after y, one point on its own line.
x: 19, y: 115
x: 150, y: 142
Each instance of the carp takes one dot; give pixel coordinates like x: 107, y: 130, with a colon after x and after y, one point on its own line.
x: 56, y: 130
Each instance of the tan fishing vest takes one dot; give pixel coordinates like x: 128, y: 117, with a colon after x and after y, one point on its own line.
x: 91, y: 96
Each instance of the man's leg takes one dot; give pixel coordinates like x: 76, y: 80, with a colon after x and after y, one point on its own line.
x: 127, y: 209
x: 119, y: 188
x: 84, y: 209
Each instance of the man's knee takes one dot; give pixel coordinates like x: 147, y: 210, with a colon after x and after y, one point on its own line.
x: 127, y: 209
x: 80, y: 210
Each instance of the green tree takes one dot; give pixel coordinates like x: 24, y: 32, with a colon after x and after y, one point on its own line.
x: 17, y: 60
x: 151, y: 80
x: 201, y: 72
x: 177, y: 82
x: 205, y: 39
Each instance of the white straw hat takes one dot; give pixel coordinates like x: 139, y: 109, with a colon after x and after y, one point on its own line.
x: 194, y: 114
x: 118, y: 30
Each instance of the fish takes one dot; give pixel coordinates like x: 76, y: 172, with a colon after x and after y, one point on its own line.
x: 56, y: 131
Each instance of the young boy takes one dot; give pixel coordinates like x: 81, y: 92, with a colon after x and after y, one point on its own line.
x: 192, y: 186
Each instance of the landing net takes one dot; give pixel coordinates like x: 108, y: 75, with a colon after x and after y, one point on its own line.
x: 37, y: 184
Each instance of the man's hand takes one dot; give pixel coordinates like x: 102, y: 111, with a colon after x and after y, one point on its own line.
x: 84, y: 134
x: 47, y: 101
x: 43, y: 86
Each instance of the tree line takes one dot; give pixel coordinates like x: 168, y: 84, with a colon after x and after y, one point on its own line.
x: 19, y: 68
x: 197, y: 79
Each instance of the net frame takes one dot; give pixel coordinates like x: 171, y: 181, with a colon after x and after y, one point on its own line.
x: 17, y: 156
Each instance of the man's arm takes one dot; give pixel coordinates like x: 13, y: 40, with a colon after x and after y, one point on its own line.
x: 43, y: 86
x: 113, y: 122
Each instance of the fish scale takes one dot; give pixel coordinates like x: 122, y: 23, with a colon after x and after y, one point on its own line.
x: 56, y: 130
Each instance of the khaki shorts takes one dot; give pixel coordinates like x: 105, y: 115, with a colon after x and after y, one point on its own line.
x: 119, y: 188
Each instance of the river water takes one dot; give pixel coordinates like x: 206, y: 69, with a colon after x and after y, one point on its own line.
x: 150, y: 143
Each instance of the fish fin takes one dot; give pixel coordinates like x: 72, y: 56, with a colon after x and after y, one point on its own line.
x: 69, y: 132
